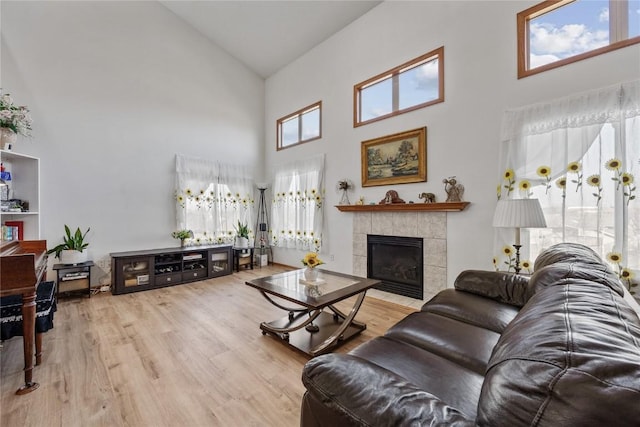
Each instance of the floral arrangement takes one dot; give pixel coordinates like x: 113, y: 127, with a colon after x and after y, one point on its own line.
x: 182, y: 234
x: 14, y: 117
x: 311, y: 260
x: 344, y: 184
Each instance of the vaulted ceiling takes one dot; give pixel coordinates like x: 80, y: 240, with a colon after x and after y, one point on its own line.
x: 267, y: 35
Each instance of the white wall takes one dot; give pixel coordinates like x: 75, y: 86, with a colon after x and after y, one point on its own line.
x: 462, y: 133
x: 116, y: 89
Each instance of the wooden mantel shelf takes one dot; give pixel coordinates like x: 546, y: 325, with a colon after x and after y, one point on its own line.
x: 406, y: 207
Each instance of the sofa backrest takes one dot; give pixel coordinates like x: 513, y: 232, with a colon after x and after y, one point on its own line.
x: 572, y: 354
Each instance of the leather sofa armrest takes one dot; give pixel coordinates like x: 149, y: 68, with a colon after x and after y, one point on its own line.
x: 508, y: 288
x: 358, y: 392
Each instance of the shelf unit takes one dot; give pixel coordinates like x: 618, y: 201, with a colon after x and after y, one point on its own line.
x: 24, y: 185
x: 141, y: 270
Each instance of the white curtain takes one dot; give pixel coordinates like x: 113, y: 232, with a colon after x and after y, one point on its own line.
x: 297, y: 208
x: 211, y: 197
x: 579, y: 156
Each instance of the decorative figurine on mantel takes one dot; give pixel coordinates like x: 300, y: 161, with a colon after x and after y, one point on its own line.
x: 390, y: 198
x: 344, y: 185
x: 453, y: 189
x: 428, y: 197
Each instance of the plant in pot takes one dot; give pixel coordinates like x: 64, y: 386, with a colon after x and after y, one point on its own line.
x: 72, y: 250
x: 182, y: 235
x: 242, y: 235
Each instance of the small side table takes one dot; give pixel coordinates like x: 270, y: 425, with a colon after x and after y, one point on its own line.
x: 242, y: 254
x: 73, y: 278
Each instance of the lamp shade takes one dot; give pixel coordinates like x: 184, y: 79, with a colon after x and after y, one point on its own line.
x: 519, y: 213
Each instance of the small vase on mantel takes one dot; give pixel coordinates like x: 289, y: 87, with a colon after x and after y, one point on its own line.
x: 310, y: 274
x: 7, y: 138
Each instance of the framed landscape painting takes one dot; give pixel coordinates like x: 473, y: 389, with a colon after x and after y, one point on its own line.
x: 395, y: 159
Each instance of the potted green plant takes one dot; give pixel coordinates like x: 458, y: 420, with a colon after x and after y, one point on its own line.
x: 72, y: 250
x: 182, y: 235
x: 242, y: 235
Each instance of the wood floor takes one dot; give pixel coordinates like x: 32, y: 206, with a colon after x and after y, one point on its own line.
x: 188, y: 355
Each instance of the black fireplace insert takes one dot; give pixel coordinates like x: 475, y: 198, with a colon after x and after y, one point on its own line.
x: 397, y: 262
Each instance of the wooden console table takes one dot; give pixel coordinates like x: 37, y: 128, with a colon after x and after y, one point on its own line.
x: 149, y: 269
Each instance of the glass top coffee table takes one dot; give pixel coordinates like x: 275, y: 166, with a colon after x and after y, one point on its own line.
x: 307, y: 327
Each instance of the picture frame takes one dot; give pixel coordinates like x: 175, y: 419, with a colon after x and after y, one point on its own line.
x: 400, y: 158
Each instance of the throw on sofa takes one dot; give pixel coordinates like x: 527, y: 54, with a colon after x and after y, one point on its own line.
x: 561, y: 348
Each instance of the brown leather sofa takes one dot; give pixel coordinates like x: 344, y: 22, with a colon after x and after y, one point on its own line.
x: 561, y: 348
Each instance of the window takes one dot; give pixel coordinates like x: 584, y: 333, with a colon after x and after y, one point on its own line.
x: 211, y: 198
x: 297, y: 208
x: 580, y: 157
x: 302, y: 126
x: 415, y: 84
x: 558, y: 32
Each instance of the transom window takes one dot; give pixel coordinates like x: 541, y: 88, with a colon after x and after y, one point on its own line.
x: 412, y: 85
x: 302, y: 126
x: 558, y: 32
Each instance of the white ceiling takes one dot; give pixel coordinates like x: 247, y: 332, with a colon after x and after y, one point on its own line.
x: 267, y: 35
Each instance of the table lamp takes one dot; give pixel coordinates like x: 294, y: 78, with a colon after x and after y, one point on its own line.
x: 518, y: 213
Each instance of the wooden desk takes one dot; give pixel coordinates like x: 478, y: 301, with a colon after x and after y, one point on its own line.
x: 24, y: 264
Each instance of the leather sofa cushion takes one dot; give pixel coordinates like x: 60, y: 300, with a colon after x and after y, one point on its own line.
x: 465, y: 344
x: 472, y: 309
x: 571, y: 260
x: 570, y: 357
x: 509, y: 288
x: 458, y: 386
x: 345, y: 390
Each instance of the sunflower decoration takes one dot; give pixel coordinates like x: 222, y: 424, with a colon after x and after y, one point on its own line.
x: 561, y: 183
x: 180, y: 199
x: 595, y: 181
x: 509, y: 252
x: 499, y: 191
x: 524, y: 186
x: 628, y: 187
x: 614, y: 166
x: 311, y: 260
x: 576, y: 168
x: 494, y: 260
x: 545, y: 172
x: 614, y: 257
x: 509, y: 176
x: 626, y: 275
x: 526, y: 265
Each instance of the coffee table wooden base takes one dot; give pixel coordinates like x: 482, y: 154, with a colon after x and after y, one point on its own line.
x: 311, y: 343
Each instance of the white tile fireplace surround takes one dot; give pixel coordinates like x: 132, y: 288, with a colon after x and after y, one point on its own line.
x: 430, y: 226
